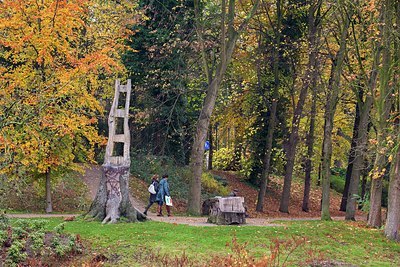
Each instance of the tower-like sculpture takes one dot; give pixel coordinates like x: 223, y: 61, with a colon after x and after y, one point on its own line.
x: 112, y: 199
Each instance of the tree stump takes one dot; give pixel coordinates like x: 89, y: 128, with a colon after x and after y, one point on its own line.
x: 112, y: 198
x: 227, y: 210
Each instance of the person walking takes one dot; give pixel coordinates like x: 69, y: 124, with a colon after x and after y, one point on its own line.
x: 153, y: 189
x: 163, y: 191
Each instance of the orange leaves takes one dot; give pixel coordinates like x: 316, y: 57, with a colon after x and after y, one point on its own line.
x: 55, y: 53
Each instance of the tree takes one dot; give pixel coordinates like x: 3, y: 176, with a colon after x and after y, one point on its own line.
x: 214, y: 73
x: 314, y: 31
x: 364, y: 106
x: 310, y: 81
x: 55, y: 59
x: 158, y: 62
x: 393, y: 214
x: 330, y: 107
x: 272, y: 118
x: 383, y: 100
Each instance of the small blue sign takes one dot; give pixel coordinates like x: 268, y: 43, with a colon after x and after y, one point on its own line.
x: 207, y: 145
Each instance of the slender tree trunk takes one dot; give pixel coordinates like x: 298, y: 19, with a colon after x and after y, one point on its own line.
x: 361, y: 140
x: 310, y: 79
x: 49, y: 203
x: 332, y: 98
x: 392, y: 226
x: 359, y: 159
x: 383, y: 104
x: 272, y: 119
x: 196, y: 163
x: 343, y: 203
x: 267, y: 158
x: 375, y: 214
x: 310, y: 152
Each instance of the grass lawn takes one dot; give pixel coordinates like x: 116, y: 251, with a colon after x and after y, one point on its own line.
x: 144, y: 243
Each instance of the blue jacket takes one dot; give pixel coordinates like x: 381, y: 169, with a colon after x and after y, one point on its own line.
x: 163, y: 190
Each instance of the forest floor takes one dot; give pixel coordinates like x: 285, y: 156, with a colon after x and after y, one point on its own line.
x: 271, y: 201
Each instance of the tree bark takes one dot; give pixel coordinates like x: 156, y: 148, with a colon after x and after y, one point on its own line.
x: 196, y: 163
x: 343, y: 203
x: 310, y: 152
x: 359, y: 159
x: 310, y: 79
x: 383, y: 104
x: 392, y: 226
x: 49, y: 203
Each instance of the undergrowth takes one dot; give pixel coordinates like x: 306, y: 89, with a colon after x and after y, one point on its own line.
x: 26, y: 243
x: 278, y: 255
x: 145, y: 166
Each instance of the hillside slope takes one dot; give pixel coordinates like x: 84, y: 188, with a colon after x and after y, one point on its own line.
x: 139, y: 196
x: 272, y: 199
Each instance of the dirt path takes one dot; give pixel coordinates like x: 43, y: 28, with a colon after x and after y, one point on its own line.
x: 92, y: 179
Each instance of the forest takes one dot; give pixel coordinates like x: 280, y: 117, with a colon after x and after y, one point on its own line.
x: 302, y: 90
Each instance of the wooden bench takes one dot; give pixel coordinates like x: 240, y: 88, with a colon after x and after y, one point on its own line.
x: 227, y: 210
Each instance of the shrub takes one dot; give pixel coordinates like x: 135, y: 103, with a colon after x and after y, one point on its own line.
x: 15, y: 253
x: 212, y: 186
x: 224, y: 159
x: 337, y: 183
x: 28, y: 242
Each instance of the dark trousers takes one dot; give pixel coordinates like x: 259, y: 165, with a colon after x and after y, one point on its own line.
x: 152, y: 200
x: 160, y: 209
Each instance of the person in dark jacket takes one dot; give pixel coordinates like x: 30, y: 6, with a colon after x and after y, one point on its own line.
x: 152, y: 198
x: 163, y: 190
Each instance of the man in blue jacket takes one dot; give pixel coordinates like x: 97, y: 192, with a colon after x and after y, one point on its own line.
x: 163, y: 190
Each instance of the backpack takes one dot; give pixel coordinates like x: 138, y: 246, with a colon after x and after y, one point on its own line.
x: 151, y: 189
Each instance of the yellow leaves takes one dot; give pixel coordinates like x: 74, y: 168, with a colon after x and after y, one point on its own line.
x: 59, y: 50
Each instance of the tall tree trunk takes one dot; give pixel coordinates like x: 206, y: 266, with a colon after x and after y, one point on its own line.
x: 309, y: 80
x: 350, y: 160
x: 49, y: 203
x: 392, y: 226
x: 272, y: 119
x: 196, y: 157
x: 310, y: 152
x: 361, y: 139
x: 383, y: 104
x: 359, y: 159
x: 331, y: 101
x: 229, y: 37
x: 375, y: 214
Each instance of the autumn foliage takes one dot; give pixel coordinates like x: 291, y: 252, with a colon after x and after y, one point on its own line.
x: 56, y: 57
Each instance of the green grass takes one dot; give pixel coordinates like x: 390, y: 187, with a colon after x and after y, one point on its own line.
x: 340, y: 241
